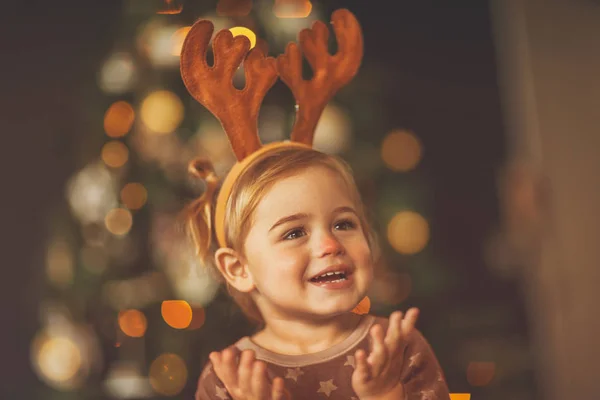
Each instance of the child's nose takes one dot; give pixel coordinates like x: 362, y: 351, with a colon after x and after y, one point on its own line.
x: 328, y: 245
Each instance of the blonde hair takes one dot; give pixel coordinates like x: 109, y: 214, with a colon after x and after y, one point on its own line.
x: 247, y: 192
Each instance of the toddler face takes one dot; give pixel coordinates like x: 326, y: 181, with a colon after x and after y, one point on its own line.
x: 306, y: 250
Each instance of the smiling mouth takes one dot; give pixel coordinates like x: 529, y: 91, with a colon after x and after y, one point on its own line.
x: 330, y: 277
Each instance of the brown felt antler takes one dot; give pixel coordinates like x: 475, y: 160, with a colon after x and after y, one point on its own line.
x: 237, y: 110
x: 330, y: 72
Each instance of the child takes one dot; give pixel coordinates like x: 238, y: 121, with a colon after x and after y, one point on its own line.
x: 294, y: 246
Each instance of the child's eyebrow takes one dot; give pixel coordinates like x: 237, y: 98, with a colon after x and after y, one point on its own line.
x: 295, y: 217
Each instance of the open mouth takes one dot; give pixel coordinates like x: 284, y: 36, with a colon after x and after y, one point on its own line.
x: 331, y: 277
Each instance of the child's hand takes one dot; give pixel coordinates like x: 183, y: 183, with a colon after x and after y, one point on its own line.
x: 377, y: 376
x: 246, y: 380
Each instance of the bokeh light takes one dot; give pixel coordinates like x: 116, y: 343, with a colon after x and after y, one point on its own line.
x: 198, y: 318
x: 59, y: 263
x: 292, y: 8
x: 118, y: 221
x: 243, y: 31
x: 460, y: 396
x: 401, y: 150
x: 115, y: 154
x: 162, y: 111
x: 170, y: 7
x: 92, y: 193
x: 176, y: 313
x: 133, y: 323
x: 124, y: 381
x: 178, y: 38
x: 408, y: 232
x: 57, y: 359
x: 333, y: 132
x: 480, y: 373
x: 117, y: 75
x: 134, y: 195
x: 234, y: 8
x: 168, y: 374
x: 118, y: 119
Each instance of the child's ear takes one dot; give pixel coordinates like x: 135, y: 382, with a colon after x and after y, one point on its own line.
x: 234, y: 269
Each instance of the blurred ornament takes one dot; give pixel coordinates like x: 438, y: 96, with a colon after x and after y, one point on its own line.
x: 118, y: 119
x: 234, y: 8
x: 401, y: 150
x: 408, y: 232
x: 124, y: 381
x: 292, y: 8
x: 170, y: 7
x: 91, y: 193
x: 168, y: 374
x: 115, y: 154
x: 162, y: 112
x: 117, y: 75
x: 333, y: 132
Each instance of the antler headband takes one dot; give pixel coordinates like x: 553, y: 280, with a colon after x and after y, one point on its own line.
x: 237, y: 110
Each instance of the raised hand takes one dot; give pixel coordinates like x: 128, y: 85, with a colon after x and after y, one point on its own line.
x: 244, y: 377
x: 377, y: 374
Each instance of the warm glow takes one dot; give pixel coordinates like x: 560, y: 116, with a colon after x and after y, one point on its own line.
x: 133, y: 323
x: 480, y: 373
x: 115, y: 154
x: 170, y: 7
x: 118, y: 221
x: 198, y: 318
x: 460, y: 396
x: 168, y: 374
x: 162, y: 111
x: 292, y: 8
x: 117, y: 74
x: 178, y: 38
x: 240, y: 30
x: 401, y: 151
x: 408, y: 232
x: 59, y: 264
x: 176, y: 313
x: 134, y: 195
x: 234, y: 8
x: 118, y: 119
x: 57, y: 359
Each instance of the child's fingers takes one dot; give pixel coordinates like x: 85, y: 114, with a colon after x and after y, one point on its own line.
x: 409, y: 321
x: 393, y: 335
x: 378, y: 356
x: 228, y: 368
x: 245, y: 370
x: 277, y: 389
x: 260, y: 388
x: 362, y: 370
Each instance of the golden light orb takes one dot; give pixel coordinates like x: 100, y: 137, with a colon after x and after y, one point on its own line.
x: 118, y: 221
x: 241, y: 30
x: 162, y: 112
x: 178, y: 38
x: 176, y: 313
x: 408, y: 232
x: 168, y: 374
x: 401, y: 150
x: 133, y: 323
x: 115, y: 154
x: 118, y: 119
x: 292, y: 8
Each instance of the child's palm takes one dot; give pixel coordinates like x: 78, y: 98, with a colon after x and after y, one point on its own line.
x: 377, y: 375
x: 246, y: 379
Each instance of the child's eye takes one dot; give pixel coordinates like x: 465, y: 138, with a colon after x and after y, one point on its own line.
x: 294, y: 234
x: 345, y: 225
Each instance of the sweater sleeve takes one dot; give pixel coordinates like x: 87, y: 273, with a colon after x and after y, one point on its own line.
x: 210, y: 386
x: 422, y: 375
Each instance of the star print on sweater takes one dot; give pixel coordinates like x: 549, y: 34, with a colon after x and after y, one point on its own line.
x: 327, y: 374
